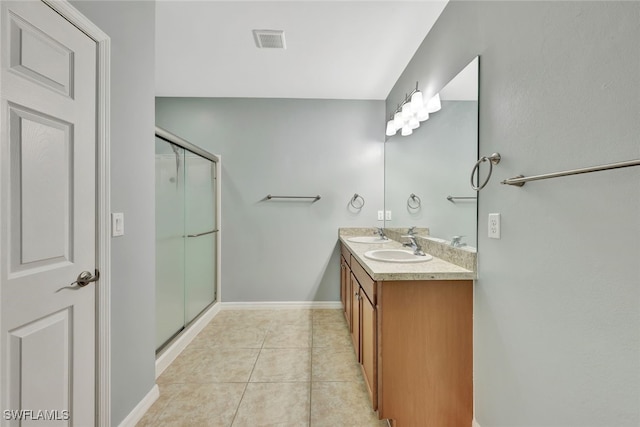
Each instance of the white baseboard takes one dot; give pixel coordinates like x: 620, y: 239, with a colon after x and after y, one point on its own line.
x: 141, y: 408
x: 474, y: 423
x: 277, y: 305
x: 170, y: 353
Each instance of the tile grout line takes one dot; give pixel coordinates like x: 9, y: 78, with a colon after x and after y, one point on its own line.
x: 274, y: 325
x: 249, y: 379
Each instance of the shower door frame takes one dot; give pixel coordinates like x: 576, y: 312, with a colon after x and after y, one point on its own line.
x: 177, y: 344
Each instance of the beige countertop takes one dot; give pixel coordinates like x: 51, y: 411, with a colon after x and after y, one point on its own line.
x: 434, y: 269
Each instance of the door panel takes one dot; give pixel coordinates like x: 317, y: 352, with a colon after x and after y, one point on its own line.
x: 343, y: 285
x: 42, y: 165
x: 349, y: 298
x: 36, y: 382
x: 200, y: 244
x: 47, y: 214
x: 170, y: 255
x: 369, y: 349
x: 355, y: 315
x: 185, y: 238
x: 39, y: 57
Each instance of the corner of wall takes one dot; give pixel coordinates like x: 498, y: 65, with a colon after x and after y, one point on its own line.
x: 141, y: 408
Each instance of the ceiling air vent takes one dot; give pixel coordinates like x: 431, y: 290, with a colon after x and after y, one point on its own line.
x: 269, y: 39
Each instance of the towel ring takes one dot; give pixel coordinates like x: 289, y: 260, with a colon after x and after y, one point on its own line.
x: 416, y: 200
x: 494, y: 159
x: 354, y: 198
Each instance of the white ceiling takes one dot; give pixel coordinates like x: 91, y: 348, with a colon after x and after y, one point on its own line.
x: 335, y: 49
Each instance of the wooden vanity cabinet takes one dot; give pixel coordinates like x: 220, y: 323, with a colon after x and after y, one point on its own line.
x: 366, y: 334
x: 425, y: 352
x: 355, y: 315
x: 414, y: 345
x: 368, y: 348
x: 345, y: 283
x: 345, y: 272
x: 357, y: 293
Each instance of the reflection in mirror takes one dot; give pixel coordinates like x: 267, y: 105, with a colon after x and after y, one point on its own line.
x: 427, y: 172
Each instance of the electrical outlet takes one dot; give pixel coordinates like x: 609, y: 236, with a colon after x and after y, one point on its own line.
x: 494, y: 225
x: 387, y: 215
x: 380, y: 215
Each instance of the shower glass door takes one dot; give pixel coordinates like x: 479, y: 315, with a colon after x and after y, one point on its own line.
x: 186, y: 243
x: 200, y: 245
x: 170, y: 248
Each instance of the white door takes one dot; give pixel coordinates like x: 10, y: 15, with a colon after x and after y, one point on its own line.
x: 47, y: 218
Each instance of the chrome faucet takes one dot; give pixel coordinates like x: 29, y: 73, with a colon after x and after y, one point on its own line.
x: 413, y: 244
x: 380, y: 232
x: 411, y: 231
x: 456, y: 241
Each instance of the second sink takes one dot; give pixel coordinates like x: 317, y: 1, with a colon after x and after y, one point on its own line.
x: 396, y: 255
x: 367, y: 239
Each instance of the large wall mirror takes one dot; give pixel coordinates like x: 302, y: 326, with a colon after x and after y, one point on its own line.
x: 427, y: 173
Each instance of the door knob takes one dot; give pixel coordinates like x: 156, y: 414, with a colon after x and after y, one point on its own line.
x: 86, y: 277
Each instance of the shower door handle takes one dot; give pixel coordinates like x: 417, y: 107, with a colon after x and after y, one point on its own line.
x: 202, y: 234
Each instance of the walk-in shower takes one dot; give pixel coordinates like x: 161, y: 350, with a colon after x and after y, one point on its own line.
x: 187, y: 227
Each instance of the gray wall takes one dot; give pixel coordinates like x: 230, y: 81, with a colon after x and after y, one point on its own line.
x: 557, y: 303
x: 131, y: 26
x: 285, y: 250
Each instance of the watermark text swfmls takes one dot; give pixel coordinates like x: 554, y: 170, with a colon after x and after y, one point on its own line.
x: 37, y: 415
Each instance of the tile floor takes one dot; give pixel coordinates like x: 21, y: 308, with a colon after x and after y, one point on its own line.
x: 266, y: 368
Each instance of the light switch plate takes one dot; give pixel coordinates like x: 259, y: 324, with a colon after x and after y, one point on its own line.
x: 117, y: 224
x: 387, y: 215
x: 380, y: 215
x: 494, y: 225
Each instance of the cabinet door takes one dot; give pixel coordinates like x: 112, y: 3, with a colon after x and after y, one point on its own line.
x: 348, y: 297
x: 368, y: 346
x: 355, y: 314
x: 343, y: 284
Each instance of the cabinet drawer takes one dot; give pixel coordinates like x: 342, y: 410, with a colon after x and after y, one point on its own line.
x: 345, y: 253
x: 366, y: 282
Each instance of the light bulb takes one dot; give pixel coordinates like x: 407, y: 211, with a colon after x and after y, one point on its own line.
x: 391, y: 128
x: 434, y: 104
x: 397, y: 120
x: 422, y: 114
x: 416, y: 101
x: 406, y: 112
x: 406, y: 130
x: 414, y: 123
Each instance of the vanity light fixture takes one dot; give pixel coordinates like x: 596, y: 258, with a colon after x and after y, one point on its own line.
x: 407, y: 112
x: 391, y: 127
x: 434, y: 104
x: 411, y: 112
x: 397, y: 119
x: 416, y: 100
x: 414, y: 123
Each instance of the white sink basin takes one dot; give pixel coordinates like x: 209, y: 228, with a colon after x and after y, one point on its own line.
x: 367, y: 239
x: 396, y: 255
